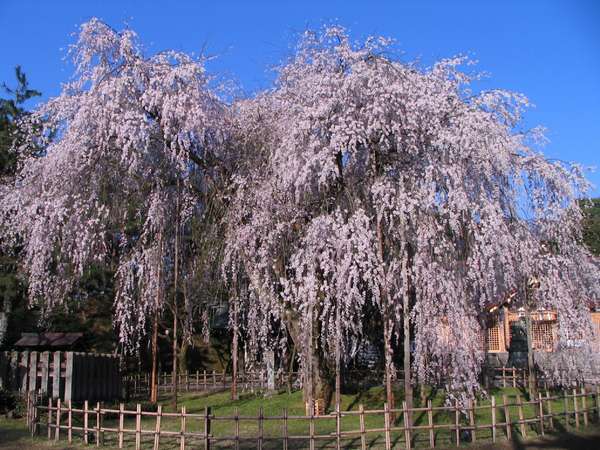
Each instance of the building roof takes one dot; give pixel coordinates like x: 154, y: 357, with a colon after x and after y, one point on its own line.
x: 48, y: 339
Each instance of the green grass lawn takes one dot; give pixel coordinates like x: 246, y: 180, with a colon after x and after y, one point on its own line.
x: 248, y: 406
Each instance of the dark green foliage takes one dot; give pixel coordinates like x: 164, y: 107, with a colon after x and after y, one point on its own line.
x: 591, y: 225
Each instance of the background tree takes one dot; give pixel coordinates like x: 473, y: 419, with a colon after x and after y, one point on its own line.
x: 12, y: 111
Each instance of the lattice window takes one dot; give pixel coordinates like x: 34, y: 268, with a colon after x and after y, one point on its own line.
x: 596, y: 321
x: 543, y: 338
x: 493, y: 339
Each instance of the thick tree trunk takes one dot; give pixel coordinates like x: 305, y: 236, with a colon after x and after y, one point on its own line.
x: 319, y: 383
x: 154, y: 374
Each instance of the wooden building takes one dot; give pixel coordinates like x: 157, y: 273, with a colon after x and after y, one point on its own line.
x: 501, y: 324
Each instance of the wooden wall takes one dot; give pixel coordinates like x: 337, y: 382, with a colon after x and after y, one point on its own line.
x: 71, y: 376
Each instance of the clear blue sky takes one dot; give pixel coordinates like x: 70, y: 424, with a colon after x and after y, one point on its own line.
x: 548, y: 50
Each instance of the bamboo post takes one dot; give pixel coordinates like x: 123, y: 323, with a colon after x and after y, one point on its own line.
x: 121, y: 423
x: 58, y: 413
x: 514, y: 378
x: 285, y: 429
x: 157, y: 427
x: 584, y: 406
x: 49, y: 418
x: 457, y: 423
x: 311, y: 426
x: 472, y: 420
x: 206, y: 423
x: 260, y: 428
x: 85, y: 422
x: 493, y: 411
x: 541, y: 412
x: 70, y: 422
x: 503, y: 376
x: 98, y: 424
x: 549, y: 407
x: 182, y: 438
x: 430, y: 424
x: 138, y: 427
x: 204, y: 375
x: 521, y: 419
x: 214, y: 378
x: 363, y: 437
x: 576, y: 408
x: 566, y: 407
x: 406, y: 412
x: 197, y: 380
x: 506, y: 416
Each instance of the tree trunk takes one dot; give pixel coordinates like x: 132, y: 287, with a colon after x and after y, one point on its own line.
x: 408, y: 390
x: 154, y: 374
x: 234, y: 355
x: 319, y: 382
x: 175, y: 307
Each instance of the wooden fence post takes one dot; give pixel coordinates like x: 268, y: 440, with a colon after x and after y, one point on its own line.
x: 430, y: 424
x: 566, y: 408
x: 98, y: 424
x: 311, y: 426
x: 236, y: 419
x: 576, y: 408
x: 472, y: 420
x: 204, y: 375
x: 493, y: 411
x: 406, y: 412
x: 521, y: 418
x: 506, y: 408
x: 363, y: 437
x: 182, y: 438
x: 49, y: 417
x: 58, y: 413
x: 206, y: 424
x: 584, y: 406
x: 285, y: 430
x: 457, y: 423
x: 85, y: 422
x: 338, y: 427
x: 70, y: 422
x: 260, y: 428
x: 549, y: 407
x: 121, y: 423
x: 157, y: 428
x: 138, y: 427
x: 541, y: 412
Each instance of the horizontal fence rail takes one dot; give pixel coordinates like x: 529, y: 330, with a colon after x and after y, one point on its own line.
x: 426, y: 426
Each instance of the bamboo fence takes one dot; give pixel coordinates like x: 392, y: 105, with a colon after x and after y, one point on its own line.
x: 375, y: 428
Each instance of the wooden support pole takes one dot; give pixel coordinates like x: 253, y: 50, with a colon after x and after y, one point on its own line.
x: 566, y: 409
x: 311, y: 425
x: 236, y: 418
x: 260, y: 428
x: 338, y: 427
x: 406, y: 414
x: 285, y: 429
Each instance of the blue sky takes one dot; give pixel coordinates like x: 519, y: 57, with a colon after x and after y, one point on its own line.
x: 548, y: 50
